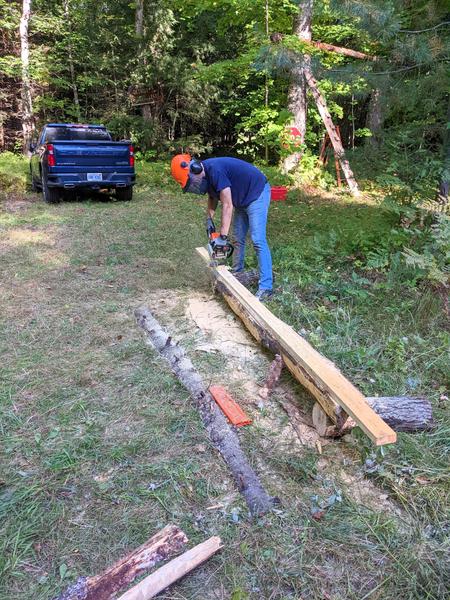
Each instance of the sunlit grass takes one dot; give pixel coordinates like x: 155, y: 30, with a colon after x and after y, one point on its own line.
x: 100, y: 442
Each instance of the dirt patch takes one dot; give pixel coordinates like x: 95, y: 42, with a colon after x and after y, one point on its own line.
x: 365, y: 492
x: 16, y: 203
x: 222, y: 331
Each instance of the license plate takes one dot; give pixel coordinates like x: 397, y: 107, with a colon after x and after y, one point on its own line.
x: 94, y: 176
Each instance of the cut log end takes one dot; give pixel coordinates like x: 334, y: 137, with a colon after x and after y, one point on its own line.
x: 320, y: 419
x: 403, y: 413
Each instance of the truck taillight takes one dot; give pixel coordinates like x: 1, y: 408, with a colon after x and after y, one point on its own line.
x: 131, y: 155
x: 51, y: 162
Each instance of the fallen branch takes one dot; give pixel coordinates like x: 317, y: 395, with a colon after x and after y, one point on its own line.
x: 164, y: 544
x: 343, y: 51
x: 174, y: 570
x: 220, y: 433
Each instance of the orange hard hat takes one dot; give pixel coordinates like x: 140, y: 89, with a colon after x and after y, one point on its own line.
x: 179, y: 168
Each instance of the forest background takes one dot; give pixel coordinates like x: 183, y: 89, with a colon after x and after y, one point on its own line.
x: 228, y: 77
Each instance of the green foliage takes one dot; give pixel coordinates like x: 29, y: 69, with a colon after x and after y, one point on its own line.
x: 14, y: 172
x: 432, y: 259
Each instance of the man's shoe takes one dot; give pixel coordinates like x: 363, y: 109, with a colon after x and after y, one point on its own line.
x: 264, y: 295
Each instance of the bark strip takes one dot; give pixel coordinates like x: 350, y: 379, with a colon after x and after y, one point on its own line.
x: 220, y: 433
x: 164, y: 544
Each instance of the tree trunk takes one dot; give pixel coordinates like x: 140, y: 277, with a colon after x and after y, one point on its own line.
x: 27, y: 103
x: 139, y: 18
x: 338, y: 396
x: 297, y: 102
x: 73, y: 80
x: 375, y: 118
x: 331, y: 129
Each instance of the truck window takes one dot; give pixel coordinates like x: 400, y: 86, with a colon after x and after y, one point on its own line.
x: 76, y: 133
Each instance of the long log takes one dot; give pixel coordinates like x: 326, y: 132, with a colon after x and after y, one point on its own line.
x: 219, y: 431
x: 335, y: 139
x: 174, y: 570
x: 164, y: 544
x: 317, y: 374
x: 403, y: 413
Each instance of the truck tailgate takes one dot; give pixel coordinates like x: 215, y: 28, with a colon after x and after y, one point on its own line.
x: 91, y: 154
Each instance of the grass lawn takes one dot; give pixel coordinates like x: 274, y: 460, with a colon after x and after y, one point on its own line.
x: 101, y: 446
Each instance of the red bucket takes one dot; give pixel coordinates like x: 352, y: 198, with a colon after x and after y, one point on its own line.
x: 278, y: 193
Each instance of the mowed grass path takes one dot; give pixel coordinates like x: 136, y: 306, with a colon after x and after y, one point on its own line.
x: 101, y: 447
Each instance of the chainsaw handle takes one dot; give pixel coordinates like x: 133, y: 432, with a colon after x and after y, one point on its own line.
x: 210, y: 227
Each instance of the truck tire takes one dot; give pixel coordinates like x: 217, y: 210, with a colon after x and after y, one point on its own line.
x: 51, y: 195
x: 125, y: 193
x: 34, y: 186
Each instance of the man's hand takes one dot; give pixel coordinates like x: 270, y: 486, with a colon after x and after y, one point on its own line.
x: 210, y: 227
x: 222, y: 245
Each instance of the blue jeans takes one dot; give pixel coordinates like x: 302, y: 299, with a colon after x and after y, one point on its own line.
x: 254, y: 218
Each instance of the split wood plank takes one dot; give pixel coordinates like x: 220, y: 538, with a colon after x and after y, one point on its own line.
x: 152, y: 585
x: 164, y: 544
x: 315, y: 372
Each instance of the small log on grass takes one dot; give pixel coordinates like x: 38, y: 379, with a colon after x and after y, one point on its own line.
x: 174, y: 570
x: 219, y: 431
x: 164, y: 544
x: 403, y: 413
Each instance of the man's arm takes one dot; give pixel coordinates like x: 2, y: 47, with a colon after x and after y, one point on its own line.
x: 227, y: 210
x: 212, y: 205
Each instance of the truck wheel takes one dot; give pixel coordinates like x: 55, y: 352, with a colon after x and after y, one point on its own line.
x: 34, y: 186
x: 51, y: 195
x: 125, y: 193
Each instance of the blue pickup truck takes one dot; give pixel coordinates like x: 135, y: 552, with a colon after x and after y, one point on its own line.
x: 74, y: 157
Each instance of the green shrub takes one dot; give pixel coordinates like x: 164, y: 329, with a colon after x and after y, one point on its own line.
x: 14, y: 172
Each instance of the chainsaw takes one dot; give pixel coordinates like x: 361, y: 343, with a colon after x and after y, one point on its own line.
x: 219, y: 247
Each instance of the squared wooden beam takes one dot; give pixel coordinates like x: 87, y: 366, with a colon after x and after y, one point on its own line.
x: 316, y: 373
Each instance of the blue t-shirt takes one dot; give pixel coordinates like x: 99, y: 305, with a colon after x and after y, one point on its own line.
x: 245, y: 180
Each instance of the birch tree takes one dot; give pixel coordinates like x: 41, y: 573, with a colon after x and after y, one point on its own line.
x: 27, y: 101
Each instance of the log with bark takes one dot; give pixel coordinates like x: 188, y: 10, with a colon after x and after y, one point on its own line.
x: 219, y: 431
x: 164, y: 544
x: 403, y: 413
x: 158, y: 581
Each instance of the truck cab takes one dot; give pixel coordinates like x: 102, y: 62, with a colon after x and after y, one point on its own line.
x: 70, y: 156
